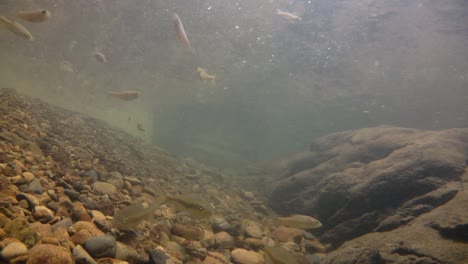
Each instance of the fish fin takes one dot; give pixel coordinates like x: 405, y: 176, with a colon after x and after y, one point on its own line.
x: 213, y: 81
x: 278, y: 11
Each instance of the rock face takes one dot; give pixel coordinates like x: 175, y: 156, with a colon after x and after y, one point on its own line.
x: 399, y: 190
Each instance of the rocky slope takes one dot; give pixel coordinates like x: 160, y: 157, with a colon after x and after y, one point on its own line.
x: 384, y: 194
x: 65, y: 179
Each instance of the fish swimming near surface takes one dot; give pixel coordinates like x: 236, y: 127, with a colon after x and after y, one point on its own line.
x: 300, y: 221
x: 289, y: 16
x: 16, y: 28
x: 99, y: 56
x: 203, y: 75
x: 179, y: 28
x: 38, y: 15
x: 126, y: 95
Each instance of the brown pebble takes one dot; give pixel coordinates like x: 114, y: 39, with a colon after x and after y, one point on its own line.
x: 50, y: 254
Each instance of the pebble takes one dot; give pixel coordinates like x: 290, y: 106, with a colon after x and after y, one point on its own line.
x: 81, y: 256
x: 43, y: 214
x: 104, y: 188
x: 253, y: 230
x: 243, y: 256
x: 50, y: 254
x: 220, y: 224
x: 35, y: 186
x: 224, y: 240
x: 101, y: 246
x: 79, y: 213
x: 29, y: 176
x: 13, y: 250
x: 158, y: 256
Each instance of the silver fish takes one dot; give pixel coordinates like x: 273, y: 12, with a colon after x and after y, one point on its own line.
x: 16, y: 28
x: 179, y: 28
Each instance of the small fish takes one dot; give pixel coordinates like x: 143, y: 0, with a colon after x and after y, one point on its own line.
x: 126, y: 95
x: 179, y: 28
x: 288, y: 16
x: 140, y: 128
x: 67, y: 67
x: 190, y: 204
x: 16, y: 28
x: 100, y: 57
x: 131, y: 216
x: 38, y: 15
x: 203, y: 75
x: 300, y: 221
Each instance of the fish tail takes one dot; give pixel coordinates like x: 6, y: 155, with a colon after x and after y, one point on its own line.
x: 278, y: 11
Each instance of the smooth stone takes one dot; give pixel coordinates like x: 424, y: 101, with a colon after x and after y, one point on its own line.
x: 101, y: 246
x: 243, y: 256
x: 29, y: 176
x: 50, y: 254
x: 215, y: 258
x: 125, y: 252
x: 79, y: 213
x: 158, y: 256
x: 224, y: 240
x: 35, y: 186
x: 104, y: 188
x: 82, y: 256
x: 13, y: 250
x: 220, y: 224
x: 253, y: 230
x: 43, y: 214
x: 65, y: 223
x: 31, y: 199
x: 73, y: 195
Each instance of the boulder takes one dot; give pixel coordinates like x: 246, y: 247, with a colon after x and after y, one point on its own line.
x: 373, y: 179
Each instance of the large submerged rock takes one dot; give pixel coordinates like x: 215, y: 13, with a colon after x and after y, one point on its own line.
x: 399, y: 190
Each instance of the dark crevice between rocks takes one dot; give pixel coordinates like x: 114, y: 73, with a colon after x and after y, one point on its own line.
x: 457, y: 233
x: 411, y: 252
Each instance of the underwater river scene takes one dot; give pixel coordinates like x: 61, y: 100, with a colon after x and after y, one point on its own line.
x: 250, y: 131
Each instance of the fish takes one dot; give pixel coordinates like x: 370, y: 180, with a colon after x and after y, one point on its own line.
x: 190, y: 204
x: 288, y: 16
x: 300, y: 221
x: 67, y: 67
x: 100, y: 57
x: 126, y: 95
x: 16, y: 28
x: 140, y: 127
x: 131, y: 216
x: 38, y: 15
x: 179, y: 28
x: 203, y: 75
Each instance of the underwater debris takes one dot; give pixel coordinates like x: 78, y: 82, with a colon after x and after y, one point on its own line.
x: 38, y: 15
x: 17, y: 29
x: 140, y: 128
x: 100, y: 57
x: 289, y: 16
x: 204, y: 76
x: 126, y: 95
